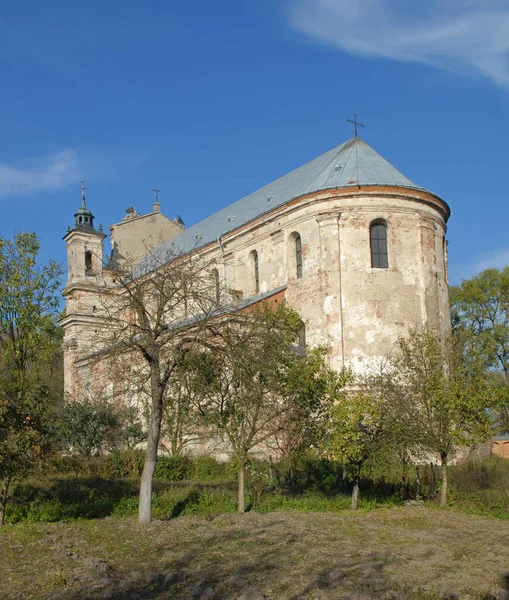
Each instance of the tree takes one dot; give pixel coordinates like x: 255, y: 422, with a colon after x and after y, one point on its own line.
x: 29, y: 359
x: 480, y: 313
x: 152, y: 314
x: 445, y: 394
x: 246, y: 383
x: 87, y: 427
x: 362, y: 423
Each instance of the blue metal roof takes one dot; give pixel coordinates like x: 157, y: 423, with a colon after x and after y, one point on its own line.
x: 350, y: 164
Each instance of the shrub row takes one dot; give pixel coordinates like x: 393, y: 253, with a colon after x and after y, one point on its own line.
x: 129, y: 465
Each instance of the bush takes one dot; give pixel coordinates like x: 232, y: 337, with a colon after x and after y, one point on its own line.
x: 206, y: 468
x: 173, y: 468
x: 123, y: 465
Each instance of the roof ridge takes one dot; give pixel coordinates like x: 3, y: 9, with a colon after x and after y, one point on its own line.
x: 316, y: 175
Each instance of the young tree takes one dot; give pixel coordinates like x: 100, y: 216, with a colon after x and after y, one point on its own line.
x: 446, y: 393
x: 154, y: 311
x: 245, y: 387
x: 30, y: 345
x: 362, y: 423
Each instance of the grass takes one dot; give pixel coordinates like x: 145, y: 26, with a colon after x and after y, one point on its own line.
x: 407, y: 553
x: 88, y: 489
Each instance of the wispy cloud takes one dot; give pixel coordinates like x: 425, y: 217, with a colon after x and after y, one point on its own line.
x: 60, y: 169
x: 498, y: 259
x: 51, y: 172
x: 494, y: 259
x: 467, y: 36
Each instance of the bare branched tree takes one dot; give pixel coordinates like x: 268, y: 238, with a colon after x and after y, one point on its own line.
x: 150, y: 313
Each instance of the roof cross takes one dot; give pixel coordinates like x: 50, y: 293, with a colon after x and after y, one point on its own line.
x: 83, y: 188
x: 156, y: 190
x: 355, y: 123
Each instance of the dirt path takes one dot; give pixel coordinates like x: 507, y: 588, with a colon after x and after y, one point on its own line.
x: 397, y: 553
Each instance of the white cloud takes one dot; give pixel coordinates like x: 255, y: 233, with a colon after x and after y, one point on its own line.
x: 60, y: 169
x: 467, y: 36
x: 51, y: 172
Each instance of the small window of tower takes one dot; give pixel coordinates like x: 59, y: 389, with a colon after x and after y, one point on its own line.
x: 88, y: 262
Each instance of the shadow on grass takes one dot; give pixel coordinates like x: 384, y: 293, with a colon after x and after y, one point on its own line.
x: 250, y: 575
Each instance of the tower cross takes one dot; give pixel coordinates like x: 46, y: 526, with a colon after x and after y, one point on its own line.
x: 83, y: 188
x: 156, y: 191
x: 355, y: 123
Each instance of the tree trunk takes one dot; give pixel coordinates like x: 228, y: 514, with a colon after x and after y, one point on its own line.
x: 417, y: 482
x: 241, y: 480
x: 4, y: 493
x: 444, y: 488
x: 149, y: 465
x: 355, y: 493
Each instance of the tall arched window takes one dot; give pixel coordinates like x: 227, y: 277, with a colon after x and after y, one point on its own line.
x: 255, y: 271
x: 378, y: 243
x: 298, y: 256
x: 215, y: 283
x: 88, y: 261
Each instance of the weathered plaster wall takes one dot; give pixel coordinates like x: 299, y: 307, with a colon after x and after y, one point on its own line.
x: 357, y: 311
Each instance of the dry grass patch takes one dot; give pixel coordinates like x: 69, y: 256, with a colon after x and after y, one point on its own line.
x: 397, y: 553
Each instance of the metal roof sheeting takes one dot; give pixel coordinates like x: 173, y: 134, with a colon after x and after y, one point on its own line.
x: 350, y: 164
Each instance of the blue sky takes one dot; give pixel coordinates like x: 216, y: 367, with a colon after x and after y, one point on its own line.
x: 211, y: 100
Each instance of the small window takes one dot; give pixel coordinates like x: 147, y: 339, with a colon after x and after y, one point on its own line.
x: 255, y: 270
x: 298, y: 256
x: 88, y: 261
x: 378, y: 243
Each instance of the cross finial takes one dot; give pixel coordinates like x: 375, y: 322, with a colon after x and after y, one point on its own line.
x: 156, y: 191
x: 83, y: 188
x: 355, y: 123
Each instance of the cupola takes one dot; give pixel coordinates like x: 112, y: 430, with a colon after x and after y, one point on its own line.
x: 83, y: 217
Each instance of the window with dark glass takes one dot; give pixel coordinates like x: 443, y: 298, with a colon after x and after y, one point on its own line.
x: 378, y: 242
x: 256, y: 271
x: 298, y: 256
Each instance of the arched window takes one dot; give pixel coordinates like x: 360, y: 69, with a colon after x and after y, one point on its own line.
x: 298, y: 256
x: 255, y: 271
x: 88, y: 261
x: 215, y: 283
x: 378, y: 243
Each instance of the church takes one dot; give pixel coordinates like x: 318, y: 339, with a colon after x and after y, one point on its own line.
x: 356, y: 248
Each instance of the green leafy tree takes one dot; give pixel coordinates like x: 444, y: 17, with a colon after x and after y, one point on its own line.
x: 88, y: 427
x: 480, y: 314
x: 361, y: 425
x: 29, y: 358
x: 445, y: 396
x: 246, y: 386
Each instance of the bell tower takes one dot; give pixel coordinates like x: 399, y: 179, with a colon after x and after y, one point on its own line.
x: 83, y: 290
x: 84, y: 246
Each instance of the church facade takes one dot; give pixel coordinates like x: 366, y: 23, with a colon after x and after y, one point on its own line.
x: 356, y: 248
